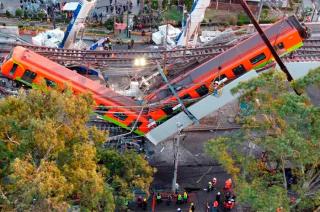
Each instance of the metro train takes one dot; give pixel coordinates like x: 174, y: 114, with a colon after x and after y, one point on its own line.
x: 30, y: 69
x: 286, y: 35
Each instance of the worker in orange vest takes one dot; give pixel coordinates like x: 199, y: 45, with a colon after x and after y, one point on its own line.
x: 280, y: 209
x: 228, y: 184
x: 229, y: 204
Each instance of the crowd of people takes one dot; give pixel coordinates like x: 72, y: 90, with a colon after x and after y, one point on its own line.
x: 227, y: 203
x: 224, y: 199
x: 112, y: 8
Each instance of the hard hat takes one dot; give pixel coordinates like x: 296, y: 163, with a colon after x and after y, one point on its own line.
x: 218, y: 193
x: 216, y: 82
x: 210, y: 182
x: 214, y: 179
x: 191, y: 203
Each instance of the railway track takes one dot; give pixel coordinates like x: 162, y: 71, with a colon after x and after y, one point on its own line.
x: 107, y: 58
x: 119, y: 58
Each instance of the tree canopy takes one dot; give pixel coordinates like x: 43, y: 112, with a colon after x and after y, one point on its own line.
x: 274, y: 158
x: 49, y: 158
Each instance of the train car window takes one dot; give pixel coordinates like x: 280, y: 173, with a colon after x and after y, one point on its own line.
x: 101, y: 107
x: 220, y: 78
x: 280, y: 45
x: 186, y: 96
x: 139, y: 123
x: 258, y: 58
x: 13, y: 69
x: 50, y: 83
x: 167, y: 109
x: 120, y: 116
x: 239, y: 70
x: 29, y: 76
x: 202, y: 90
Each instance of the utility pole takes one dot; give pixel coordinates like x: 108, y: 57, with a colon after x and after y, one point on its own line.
x: 128, y: 24
x: 265, y: 40
x: 176, y: 143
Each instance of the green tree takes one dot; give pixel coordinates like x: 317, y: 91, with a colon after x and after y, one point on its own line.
x: 126, y: 173
x: 109, y: 24
x: 48, y: 155
x: 19, y: 13
x: 154, y: 4
x: 286, y: 127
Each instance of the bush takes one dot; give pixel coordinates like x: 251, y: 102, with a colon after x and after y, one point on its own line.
x: 109, y: 24
x: 8, y: 14
x: 25, y: 15
x: 188, y: 4
x: 41, y: 15
x: 173, y: 15
x: 19, y: 13
x: 154, y: 4
x: 165, y: 4
x: 243, y: 19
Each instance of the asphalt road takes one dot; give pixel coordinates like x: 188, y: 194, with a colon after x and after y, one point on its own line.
x: 195, y: 169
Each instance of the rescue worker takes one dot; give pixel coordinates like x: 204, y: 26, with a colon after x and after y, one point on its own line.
x: 159, y: 198
x: 209, y: 186
x: 280, y: 209
x: 109, y: 44
x: 192, y: 207
x: 228, y: 205
x: 207, y: 207
x: 227, y: 196
x: 169, y: 200
x: 185, y: 197
x: 215, y: 206
x: 218, y: 197
x: 179, y: 199
x: 228, y: 184
x: 144, y: 204
x: 214, y: 181
x: 139, y: 201
x: 177, y: 188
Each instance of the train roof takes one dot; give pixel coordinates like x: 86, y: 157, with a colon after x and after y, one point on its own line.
x: 44, y: 63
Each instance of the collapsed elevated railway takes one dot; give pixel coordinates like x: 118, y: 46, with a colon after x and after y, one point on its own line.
x: 224, y: 64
